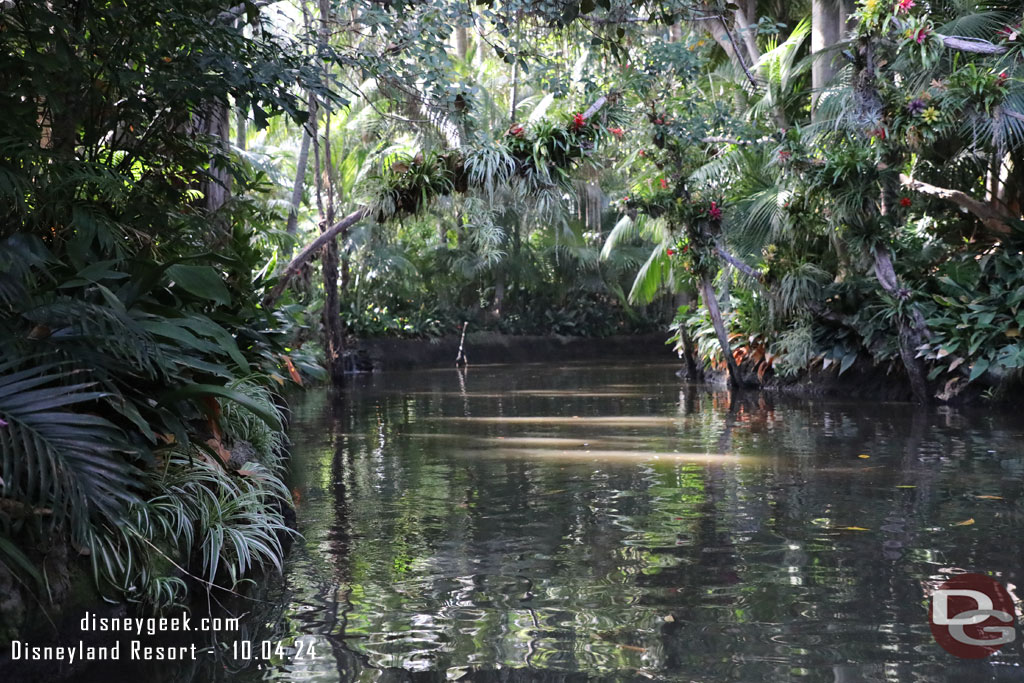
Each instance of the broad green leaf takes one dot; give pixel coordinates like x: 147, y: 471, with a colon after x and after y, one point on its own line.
x: 202, y: 281
x: 979, y: 368
x: 847, y: 361
x: 198, y: 390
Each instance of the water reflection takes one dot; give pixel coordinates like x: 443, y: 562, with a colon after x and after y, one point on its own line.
x: 580, y: 523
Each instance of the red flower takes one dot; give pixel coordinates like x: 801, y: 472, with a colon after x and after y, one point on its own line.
x: 625, y: 199
x: 617, y: 132
x: 921, y: 34
x: 670, y: 252
x: 664, y: 184
x: 686, y: 248
x: 643, y: 153
x: 905, y: 201
x: 715, y: 212
x: 905, y: 5
x: 785, y: 154
x: 578, y: 121
x: 1001, y: 78
x: 516, y: 130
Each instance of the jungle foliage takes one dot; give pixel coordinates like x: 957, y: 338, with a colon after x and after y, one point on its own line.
x: 540, y: 166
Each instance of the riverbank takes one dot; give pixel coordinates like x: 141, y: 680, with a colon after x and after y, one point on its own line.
x: 210, y: 517
x: 861, y: 381
x: 482, y: 348
x: 866, y: 382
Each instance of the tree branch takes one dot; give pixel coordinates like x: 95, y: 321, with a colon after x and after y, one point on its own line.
x: 739, y: 54
x: 976, y: 45
x: 737, y: 264
x: 992, y: 218
x: 310, y: 249
x: 733, y: 141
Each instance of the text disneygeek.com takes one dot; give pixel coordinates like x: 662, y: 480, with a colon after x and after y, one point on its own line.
x: 138, y: 650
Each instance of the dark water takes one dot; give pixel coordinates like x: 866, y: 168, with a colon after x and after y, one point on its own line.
x: 553, y: 523
x: 572, y: 523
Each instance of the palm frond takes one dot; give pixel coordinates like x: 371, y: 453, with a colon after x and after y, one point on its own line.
x: 57, y: 457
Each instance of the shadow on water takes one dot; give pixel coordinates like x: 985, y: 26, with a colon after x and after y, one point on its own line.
x: 571, y: 523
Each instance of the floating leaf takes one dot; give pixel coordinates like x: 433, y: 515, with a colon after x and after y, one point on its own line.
x: 854, y: 528
x: 990, y: 497
x: 966, y: 522
x: 863, y: 456
x: 905, y: 486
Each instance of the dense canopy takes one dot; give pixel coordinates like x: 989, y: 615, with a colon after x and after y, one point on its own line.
x: 203, y: 204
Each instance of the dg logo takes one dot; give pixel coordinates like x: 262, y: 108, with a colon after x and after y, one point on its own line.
x: 972, y: 616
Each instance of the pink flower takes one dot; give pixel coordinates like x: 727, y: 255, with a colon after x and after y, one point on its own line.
x: 643, y: 153
x: 715, y: 212
x: 921, y: 34
x: 617, y: 132
x: 905, y: 5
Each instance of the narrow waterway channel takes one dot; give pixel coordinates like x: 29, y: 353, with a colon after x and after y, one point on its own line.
x: 609, y: 521
x: 569, y: 523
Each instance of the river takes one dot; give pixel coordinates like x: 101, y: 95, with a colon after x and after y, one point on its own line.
x: 609, y: 522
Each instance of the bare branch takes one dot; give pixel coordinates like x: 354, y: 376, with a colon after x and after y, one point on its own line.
x: 733, y: 141
x: 992, y: 218
x: 976, y: 45
x: 739, y: 55
x: 736, y: 263
x: 310, y: 249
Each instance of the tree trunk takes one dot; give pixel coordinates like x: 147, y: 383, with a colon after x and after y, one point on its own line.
x: 299, y: 185
x: 711, y: 302
x: 746, y: 26
x: 827, y: 24
x: 241, y: 130
x: 911, y: 328
x: 334, y: 338
x: 461, y: 43
x: 216, y: 124
x: 689, y: 348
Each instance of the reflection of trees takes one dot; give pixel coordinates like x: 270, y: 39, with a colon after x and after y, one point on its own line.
x: 437, y: 548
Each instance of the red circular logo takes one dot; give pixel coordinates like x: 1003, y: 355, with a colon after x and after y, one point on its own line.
x: 972, y: 616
